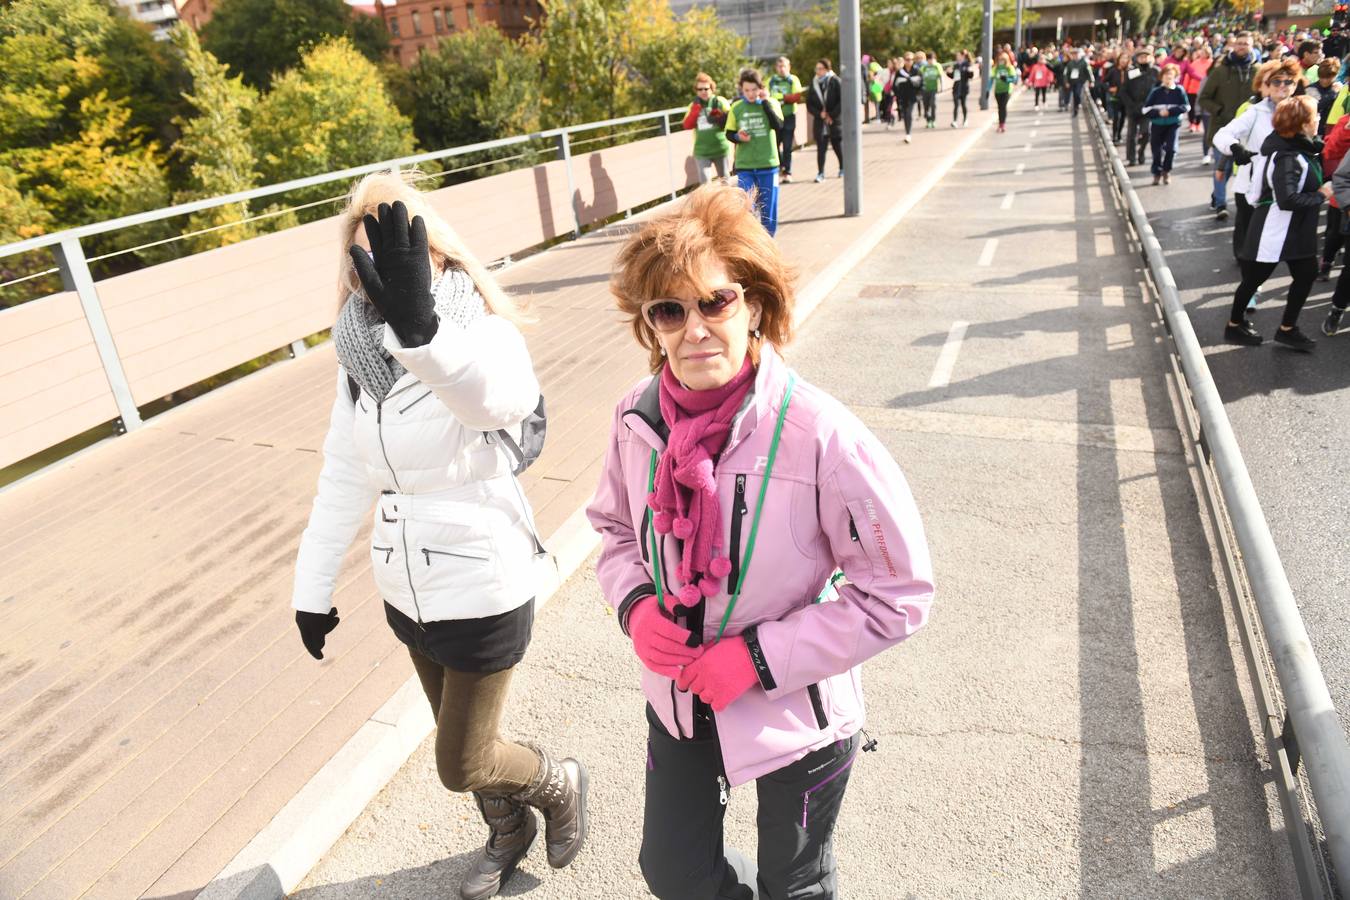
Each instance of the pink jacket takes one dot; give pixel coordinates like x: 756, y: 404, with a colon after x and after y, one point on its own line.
x: 836, y: 501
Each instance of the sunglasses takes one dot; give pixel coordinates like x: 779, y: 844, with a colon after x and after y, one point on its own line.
x: 702, y: 89
x: 670, y: 315
x: 1280, y: 82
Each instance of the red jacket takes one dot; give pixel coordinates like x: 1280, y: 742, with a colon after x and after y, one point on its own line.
x: 1040, y: 76
x: 1333, y: 151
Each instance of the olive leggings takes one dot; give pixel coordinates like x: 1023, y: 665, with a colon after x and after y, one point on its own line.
x: 467, y: 707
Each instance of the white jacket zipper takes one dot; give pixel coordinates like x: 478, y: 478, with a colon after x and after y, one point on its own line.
x: 403, y: 523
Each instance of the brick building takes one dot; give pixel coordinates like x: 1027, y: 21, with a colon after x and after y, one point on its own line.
x: 414, y: 25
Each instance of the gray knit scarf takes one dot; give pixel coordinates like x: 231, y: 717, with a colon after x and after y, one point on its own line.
x: 358, y: 333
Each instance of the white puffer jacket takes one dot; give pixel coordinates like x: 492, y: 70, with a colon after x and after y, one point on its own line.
x: 452, y: 536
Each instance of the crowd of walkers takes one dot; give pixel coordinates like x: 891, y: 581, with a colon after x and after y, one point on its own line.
x: 1271, y: 126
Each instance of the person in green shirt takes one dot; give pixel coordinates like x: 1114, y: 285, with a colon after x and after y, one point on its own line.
x: 707, y: 118
x: 753, y: 125
x: 786, y: 88
x: 1004, y: 77
x: 931, y: 73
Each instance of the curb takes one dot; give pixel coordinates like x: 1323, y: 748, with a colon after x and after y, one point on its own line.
x: 279, y: 857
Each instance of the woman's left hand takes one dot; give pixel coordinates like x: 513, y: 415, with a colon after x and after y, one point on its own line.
x: 398, y: 279
x: 721, y: 674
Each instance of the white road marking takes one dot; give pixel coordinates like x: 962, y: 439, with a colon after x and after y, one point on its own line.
x: 1032, y: 134
x: 1021, y: 167
x: 942, y: 372
x: 987, y: 254
x: 1026, y: 148
x: 1008, y: 200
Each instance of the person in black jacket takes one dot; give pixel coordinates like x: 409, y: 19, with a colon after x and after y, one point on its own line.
x: 1139, y: 80
x: 961, y: 72
x: 906, y: 85
x: 824, y: 103
x: 1284, y: 223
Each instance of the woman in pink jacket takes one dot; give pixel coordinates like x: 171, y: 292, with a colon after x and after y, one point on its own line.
x: 758, y: 544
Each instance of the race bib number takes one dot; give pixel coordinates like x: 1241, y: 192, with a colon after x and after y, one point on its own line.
x: 1073, y: 76
x: 703, y: 123
x: 1132, y: 74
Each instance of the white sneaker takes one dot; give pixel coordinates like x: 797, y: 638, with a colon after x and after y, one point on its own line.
x: 907, y: 139
x: 820, y: 178
x: 1207, y: 161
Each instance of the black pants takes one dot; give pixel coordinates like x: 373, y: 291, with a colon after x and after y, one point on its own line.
x: 930, y: 106
x: 1163, y: 140
x: 1242, y: 218
x: 1332, y: 238
x: 1254, y: 274
x: 1076, y: 88
x: 959, y: 107
x: 1040, y: 95
x: 1194, y: 113
x: 1117, y: 120
x: 786, y: 136
x: 683, y: 856
x: 834, y: 134
x: 1340, y: 298
x: 1136, y: 137
x: 906, y: 108
x: 1002, y: 101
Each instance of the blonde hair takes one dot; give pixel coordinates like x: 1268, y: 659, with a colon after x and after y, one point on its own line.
x: 447, y: 250
x: 715, y: 224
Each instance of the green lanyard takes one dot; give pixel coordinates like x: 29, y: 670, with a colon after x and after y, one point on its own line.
x: 754, y: 523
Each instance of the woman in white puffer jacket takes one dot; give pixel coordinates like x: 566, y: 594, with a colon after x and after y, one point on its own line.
x: 432, y: 365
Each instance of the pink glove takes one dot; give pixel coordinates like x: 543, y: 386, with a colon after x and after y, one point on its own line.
x: 660, y: 643
x: 723, y: 673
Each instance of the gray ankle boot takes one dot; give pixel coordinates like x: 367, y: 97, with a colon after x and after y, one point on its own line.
x: 513, y: 830
x: 559, y: 792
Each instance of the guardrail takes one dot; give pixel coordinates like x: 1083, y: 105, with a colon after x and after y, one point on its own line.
x: 1309, y: 729
x: 99, y: 350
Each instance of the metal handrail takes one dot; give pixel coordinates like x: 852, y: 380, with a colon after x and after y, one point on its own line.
x: 1311, y: 726
x: 156, y: 215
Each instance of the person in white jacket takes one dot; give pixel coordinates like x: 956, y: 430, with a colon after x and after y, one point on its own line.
x: 433, y: 373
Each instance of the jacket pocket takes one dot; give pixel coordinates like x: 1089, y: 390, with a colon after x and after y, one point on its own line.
x: 817, y: 706
x: 434, y: 555
x: 382, y: 554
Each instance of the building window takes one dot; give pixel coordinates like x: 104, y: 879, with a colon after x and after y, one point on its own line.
x: 468, y: 14
x: 439, y: 19
x: 417, y: 22
x: 393, y: 25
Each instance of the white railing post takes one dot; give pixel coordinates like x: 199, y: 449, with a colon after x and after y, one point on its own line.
x: 670, y: 155
x: 573, y: 198
x: 75, y: 277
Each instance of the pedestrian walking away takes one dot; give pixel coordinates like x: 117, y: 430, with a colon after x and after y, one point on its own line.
x: 735, y: 497
x: 1226, y: 87
x: 434, y: 388
x: 1241, y: 140
x: 1139, y: 81
x: 961, y: 72
x: 823, y: 102
x: 1284, y: 223
x: 753, y: 125
x: 707, y: 118
x: 1164, y: 107
x: 786, y: 88
x: 1004, y: 77
x: 930, y: 79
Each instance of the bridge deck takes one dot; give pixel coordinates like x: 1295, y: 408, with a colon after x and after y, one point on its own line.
x: 156, y: 706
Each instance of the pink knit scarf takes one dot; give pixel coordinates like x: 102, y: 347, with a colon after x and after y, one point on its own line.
x: 685, y: 499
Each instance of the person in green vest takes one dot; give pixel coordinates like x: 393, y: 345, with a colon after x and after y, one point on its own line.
x: 786, y: 88
x: 931, y: 73
x: 753, y: 125
x: 1309, y: 55
x: 1004, y: 77
x: 707, y: 118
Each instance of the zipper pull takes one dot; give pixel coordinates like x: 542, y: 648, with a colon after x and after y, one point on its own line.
x: 722, y: 790
x: 871, y: 743
x: 379, y: 412
x: 427, y: 554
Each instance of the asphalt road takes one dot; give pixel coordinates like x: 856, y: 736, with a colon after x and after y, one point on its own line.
x: 1290, y: 411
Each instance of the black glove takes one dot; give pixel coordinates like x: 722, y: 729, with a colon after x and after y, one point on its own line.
x: 1241, y: 155
x: 314, y: 627
x: 398, y: 279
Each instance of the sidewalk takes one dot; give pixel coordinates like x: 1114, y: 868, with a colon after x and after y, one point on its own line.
x: 1071, y: 722
x: 156, y: 706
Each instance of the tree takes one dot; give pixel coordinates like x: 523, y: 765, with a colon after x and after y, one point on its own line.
x: 259, y: 39
x: 667, y: 52
x: 478, y: 85
x: 22, y: 217
x: 332, y: 112
x: 215, y: 144
x: 578, y: 45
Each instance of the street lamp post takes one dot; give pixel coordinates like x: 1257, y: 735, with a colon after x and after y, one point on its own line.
x: 850, y: 65
x: 986, y: 52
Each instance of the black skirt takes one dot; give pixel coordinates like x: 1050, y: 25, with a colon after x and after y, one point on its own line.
x: 489, y: 644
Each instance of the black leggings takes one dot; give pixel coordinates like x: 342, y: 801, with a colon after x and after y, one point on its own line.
x: 959, y: 106
x: 1254, y: 274
x: 833, y: 135
x: 1002, y: 101
x: 682, y: 853
x: 1040, y: 95
x: 906, y: 113
x: 1332, y: 239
